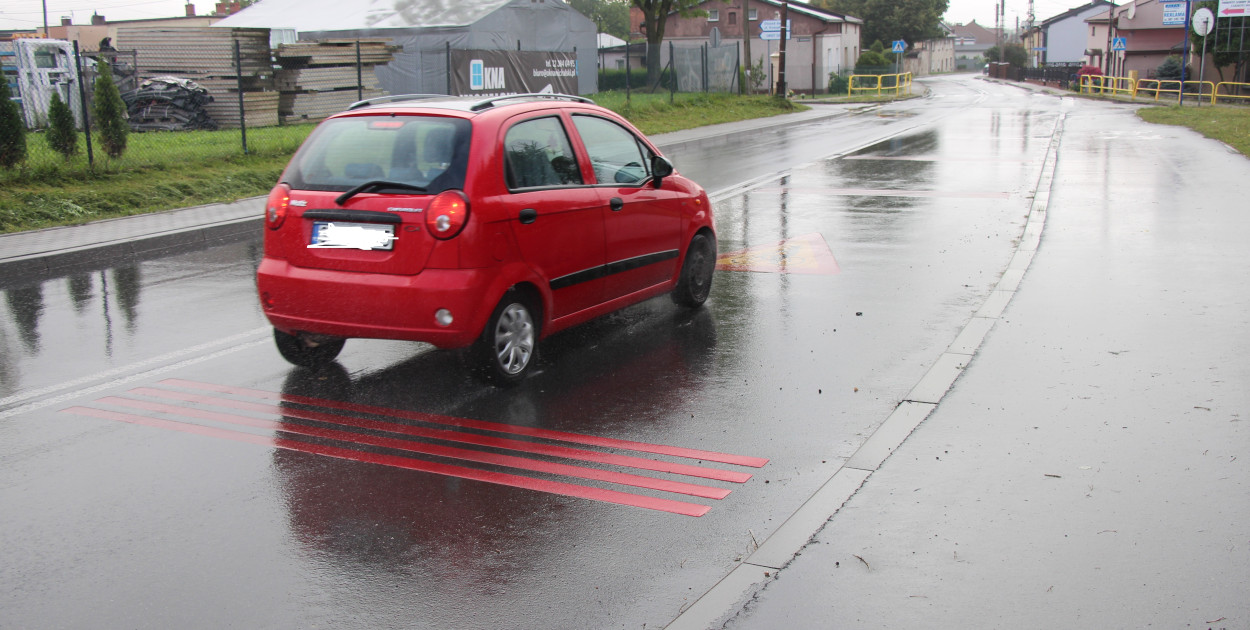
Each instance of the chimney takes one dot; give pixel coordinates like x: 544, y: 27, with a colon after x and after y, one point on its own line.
x: 228, y: 8
x: 66, y: 21
x: 190, y: 10
x: 97, y: 19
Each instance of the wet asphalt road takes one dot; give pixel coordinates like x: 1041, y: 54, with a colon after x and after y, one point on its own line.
x: 148, y: 480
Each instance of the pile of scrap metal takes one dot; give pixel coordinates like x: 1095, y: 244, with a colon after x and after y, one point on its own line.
x: 168, y: 104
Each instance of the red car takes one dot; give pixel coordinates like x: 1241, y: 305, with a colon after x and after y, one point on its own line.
x: 469, y: 223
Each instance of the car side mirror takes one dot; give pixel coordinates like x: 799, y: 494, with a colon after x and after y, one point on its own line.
x: 660, y: 168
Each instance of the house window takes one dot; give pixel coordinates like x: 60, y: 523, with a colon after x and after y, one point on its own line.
x: 733, y: 18
x: 752, y: 15
x: 713, y: 15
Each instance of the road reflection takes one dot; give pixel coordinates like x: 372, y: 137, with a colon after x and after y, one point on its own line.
x: 618, y: 376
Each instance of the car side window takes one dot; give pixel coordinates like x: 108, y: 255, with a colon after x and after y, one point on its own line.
x: 617, y: 155
x: 538, y: 153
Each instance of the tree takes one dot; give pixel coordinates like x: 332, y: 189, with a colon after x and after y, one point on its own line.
x: 611, y: 16
x: 1223, y: 45
x: 109, y: 112
x: 1014, y: 54
x: 654, y: 15
x: 62, y: 134
x: 12, y: 128
x: 889, y: 20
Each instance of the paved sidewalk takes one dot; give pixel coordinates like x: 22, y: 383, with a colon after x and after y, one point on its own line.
x: 42, y: 252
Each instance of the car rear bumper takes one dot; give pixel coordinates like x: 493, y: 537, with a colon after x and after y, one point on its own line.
x: 348, y: 304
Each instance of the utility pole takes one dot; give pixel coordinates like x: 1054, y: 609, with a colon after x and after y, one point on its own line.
x: 746, y: 45
x: 781, y: 58
x: 1108, y: 67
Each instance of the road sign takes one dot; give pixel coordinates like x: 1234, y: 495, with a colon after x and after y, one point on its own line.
x: 1173, y: 13
x: 1204, y: 21
x: 898, y: 46
x: 1234, y: 8
x: 1119, y: 44
x: 772, y: 29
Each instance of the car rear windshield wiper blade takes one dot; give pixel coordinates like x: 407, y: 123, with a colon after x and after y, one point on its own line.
x: 377, y: 184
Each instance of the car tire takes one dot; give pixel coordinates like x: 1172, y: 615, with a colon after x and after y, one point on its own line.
x: 695, y: 282
x: 300, y: 353
x: 508, y: 348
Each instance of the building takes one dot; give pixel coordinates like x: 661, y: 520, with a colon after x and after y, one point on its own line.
x: 821, y: 42
x: 932, y: 56
x: 971, y: 42
x: 90, y: 36
x: 1148, y: 41
x: 1064, y: 36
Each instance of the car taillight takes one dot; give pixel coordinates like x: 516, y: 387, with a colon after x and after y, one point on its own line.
x: 447, y: 214
x: 276, y: 206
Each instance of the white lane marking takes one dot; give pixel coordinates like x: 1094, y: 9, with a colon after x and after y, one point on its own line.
x: 63, y: 398
x: 164, y: 358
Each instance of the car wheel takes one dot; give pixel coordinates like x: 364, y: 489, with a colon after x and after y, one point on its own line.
x: 509, y: 344
x: 301, y: 353
x: 695, y: 282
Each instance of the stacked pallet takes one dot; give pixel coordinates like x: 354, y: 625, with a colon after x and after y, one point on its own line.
x: 318, y: 79
x: 206, y: 55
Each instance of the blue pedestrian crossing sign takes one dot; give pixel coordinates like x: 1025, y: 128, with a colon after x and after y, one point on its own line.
x: 899, y: 46
x: 1119, y: 43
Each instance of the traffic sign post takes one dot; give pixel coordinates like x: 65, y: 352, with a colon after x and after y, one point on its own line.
x: 898, y: 47
x: 1204, y: 21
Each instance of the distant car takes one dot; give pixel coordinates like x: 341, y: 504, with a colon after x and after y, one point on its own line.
x: 470, y: 223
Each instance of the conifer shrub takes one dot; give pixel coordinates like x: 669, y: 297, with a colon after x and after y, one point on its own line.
x: 109, y: 112
x: 12, y: 129
x: 62, y: 134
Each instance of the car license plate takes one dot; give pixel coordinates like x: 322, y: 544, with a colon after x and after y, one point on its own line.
x: 342, y: 235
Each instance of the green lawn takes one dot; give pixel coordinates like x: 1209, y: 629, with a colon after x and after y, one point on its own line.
x: 1230, y: 125
x: 166, y: 170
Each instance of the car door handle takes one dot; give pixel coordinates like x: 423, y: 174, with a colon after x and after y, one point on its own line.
x: 528, y: 216
x: 616, y: 204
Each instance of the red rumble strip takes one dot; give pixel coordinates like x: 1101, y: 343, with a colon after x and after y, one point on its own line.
x: 182, y: 411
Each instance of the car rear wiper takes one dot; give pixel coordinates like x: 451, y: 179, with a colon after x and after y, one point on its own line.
x: 377, y: 184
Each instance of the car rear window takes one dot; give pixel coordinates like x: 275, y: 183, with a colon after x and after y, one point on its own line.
x: 427, y: 151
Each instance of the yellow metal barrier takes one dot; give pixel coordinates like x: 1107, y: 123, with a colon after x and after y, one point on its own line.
x: 1157, y: 87
x: 1102, y: 84
x: 879, y: 83
x: 1244, y: 88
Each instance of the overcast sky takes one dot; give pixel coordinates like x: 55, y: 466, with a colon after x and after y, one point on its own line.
x: 28, y: 14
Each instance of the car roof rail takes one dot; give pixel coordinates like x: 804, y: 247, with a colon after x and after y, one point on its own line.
x: 490, y: 102
x: 393, y: 98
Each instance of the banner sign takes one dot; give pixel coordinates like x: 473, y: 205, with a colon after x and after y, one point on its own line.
x: 1173, y: 13
x: 503, y: 72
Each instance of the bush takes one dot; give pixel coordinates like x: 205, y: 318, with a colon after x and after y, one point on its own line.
x: 838, y: 84
x: 110, y: 113
x: 1170, y: 69
x: 62, y: 134
x: 873, y: 62
x: 12, y: 129
x: 615, y: 80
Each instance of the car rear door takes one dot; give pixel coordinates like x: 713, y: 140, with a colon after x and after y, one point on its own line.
x: 556, y: 217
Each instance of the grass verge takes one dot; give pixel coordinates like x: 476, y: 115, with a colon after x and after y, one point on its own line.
x: 167, y: 170
x: 1230, y: 125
